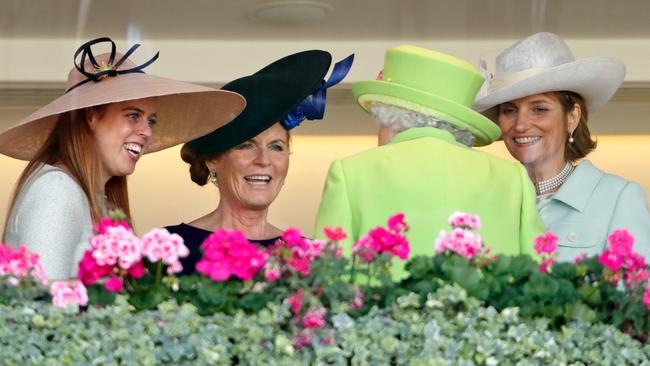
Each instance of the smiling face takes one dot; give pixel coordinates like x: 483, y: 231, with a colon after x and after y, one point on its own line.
x: 122, y: 132
x: 251, y: 174
x: 535, y: 130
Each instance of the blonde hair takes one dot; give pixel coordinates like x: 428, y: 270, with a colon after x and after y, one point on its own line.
x: 71, y: 145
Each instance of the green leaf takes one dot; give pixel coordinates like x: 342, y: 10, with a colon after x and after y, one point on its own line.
x: 97, y: 295
x: 541, y: 286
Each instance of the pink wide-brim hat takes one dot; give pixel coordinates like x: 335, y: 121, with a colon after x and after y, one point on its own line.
x: 184, y: 111
x: 544, y: 63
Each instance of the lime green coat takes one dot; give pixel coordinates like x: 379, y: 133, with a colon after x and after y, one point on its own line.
x: 427, y: 175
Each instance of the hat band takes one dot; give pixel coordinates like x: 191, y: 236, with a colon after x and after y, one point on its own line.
x: 313, y: 107
x: 504, y: 79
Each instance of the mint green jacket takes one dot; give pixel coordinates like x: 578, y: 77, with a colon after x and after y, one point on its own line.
x: 427, y: 175
x: 589, y: 206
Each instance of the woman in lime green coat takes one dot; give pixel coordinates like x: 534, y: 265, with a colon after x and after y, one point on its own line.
x: 425, y: 167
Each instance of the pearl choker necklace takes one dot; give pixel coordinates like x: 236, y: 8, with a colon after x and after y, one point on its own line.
x: 555, y: 182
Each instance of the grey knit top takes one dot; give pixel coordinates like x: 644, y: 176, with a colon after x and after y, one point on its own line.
x: 52, y: 217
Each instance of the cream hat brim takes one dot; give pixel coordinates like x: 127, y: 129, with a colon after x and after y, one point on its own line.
x: 596, y: 79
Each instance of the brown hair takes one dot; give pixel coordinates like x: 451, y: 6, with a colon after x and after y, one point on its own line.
x: 71, y: 144
x: 199, y: 172
x: 582, y: 142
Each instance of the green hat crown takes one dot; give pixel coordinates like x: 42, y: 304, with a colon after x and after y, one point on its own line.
x: 433, y: 72
x: 431, y: 83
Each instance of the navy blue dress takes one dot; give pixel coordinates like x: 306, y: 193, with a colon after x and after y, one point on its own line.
x: 194, y: 237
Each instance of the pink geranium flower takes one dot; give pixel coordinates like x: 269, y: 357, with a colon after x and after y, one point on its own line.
x: 228, y: 253
x: 314, y: 318
x: 546, y: 244
x: 114, y: 284
x: 160, y: 245
x: 546, y: 264
x: 384, y: 241
x: 66, y: 293
x: 464, y: 220
x: 296, y: 302
x: 20, y: 263
x: 460, y: 241
x: 621, y: 242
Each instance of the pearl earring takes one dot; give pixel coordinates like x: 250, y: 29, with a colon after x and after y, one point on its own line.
x: 571, y: 137
x: 213, y: 177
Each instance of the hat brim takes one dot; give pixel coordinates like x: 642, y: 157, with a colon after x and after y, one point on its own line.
x: 481, y: 127
x: 184, y: 111
x: 596, y: 79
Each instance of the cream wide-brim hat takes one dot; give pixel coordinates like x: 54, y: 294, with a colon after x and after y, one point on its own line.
x: 184, y: 111
x: 543, y: 63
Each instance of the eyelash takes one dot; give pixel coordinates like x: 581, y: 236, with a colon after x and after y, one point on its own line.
x: 248, y: 145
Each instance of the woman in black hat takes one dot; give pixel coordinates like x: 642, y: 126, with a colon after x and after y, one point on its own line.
x: 248, y: 159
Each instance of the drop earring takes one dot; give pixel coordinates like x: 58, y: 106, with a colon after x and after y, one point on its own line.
x: 213, y: 177
x: 571, y: 137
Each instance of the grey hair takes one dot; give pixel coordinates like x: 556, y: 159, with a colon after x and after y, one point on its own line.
x: 400, y: 119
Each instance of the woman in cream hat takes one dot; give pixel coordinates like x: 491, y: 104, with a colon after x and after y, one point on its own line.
x: 81, y: 147
x: 540, y: 97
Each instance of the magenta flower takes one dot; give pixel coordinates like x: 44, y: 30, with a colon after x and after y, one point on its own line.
x: 65, y: 293
x: 114, y: 284
x: 546, y: 244
x: 90, y: 271
x: 296, y: 302
x: 20, y: 263
x: 621, y: 242
x: 336, y: 234
x: 546, y: 264
x: 100, y: 227
x: 227, y: 253
x: 314, y: 318
x: 272, y: 274
x: 397, y: 224
x: 610, y: 260
x: 382, y: 241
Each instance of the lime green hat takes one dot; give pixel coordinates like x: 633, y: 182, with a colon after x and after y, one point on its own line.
x: 431, y: 83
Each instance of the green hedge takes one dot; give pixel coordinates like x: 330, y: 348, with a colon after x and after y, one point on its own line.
x: 448, y: 328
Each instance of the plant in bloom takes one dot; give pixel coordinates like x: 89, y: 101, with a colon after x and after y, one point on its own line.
x: 462, y: 240
x: 117, y: 254
x: 228, y: 253
x: 18, y: 265
x: 160, y: 245
x: 390, y: 241
x: 294, y: 253
x: 546, y: 247
x: 620, y: 261
x: 66, y: 293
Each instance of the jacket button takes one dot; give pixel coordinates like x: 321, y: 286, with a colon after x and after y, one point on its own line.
x: 572, y: 237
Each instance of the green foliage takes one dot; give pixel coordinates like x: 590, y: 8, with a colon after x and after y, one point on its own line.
x: 570, y: 292
x: 445, y: 328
